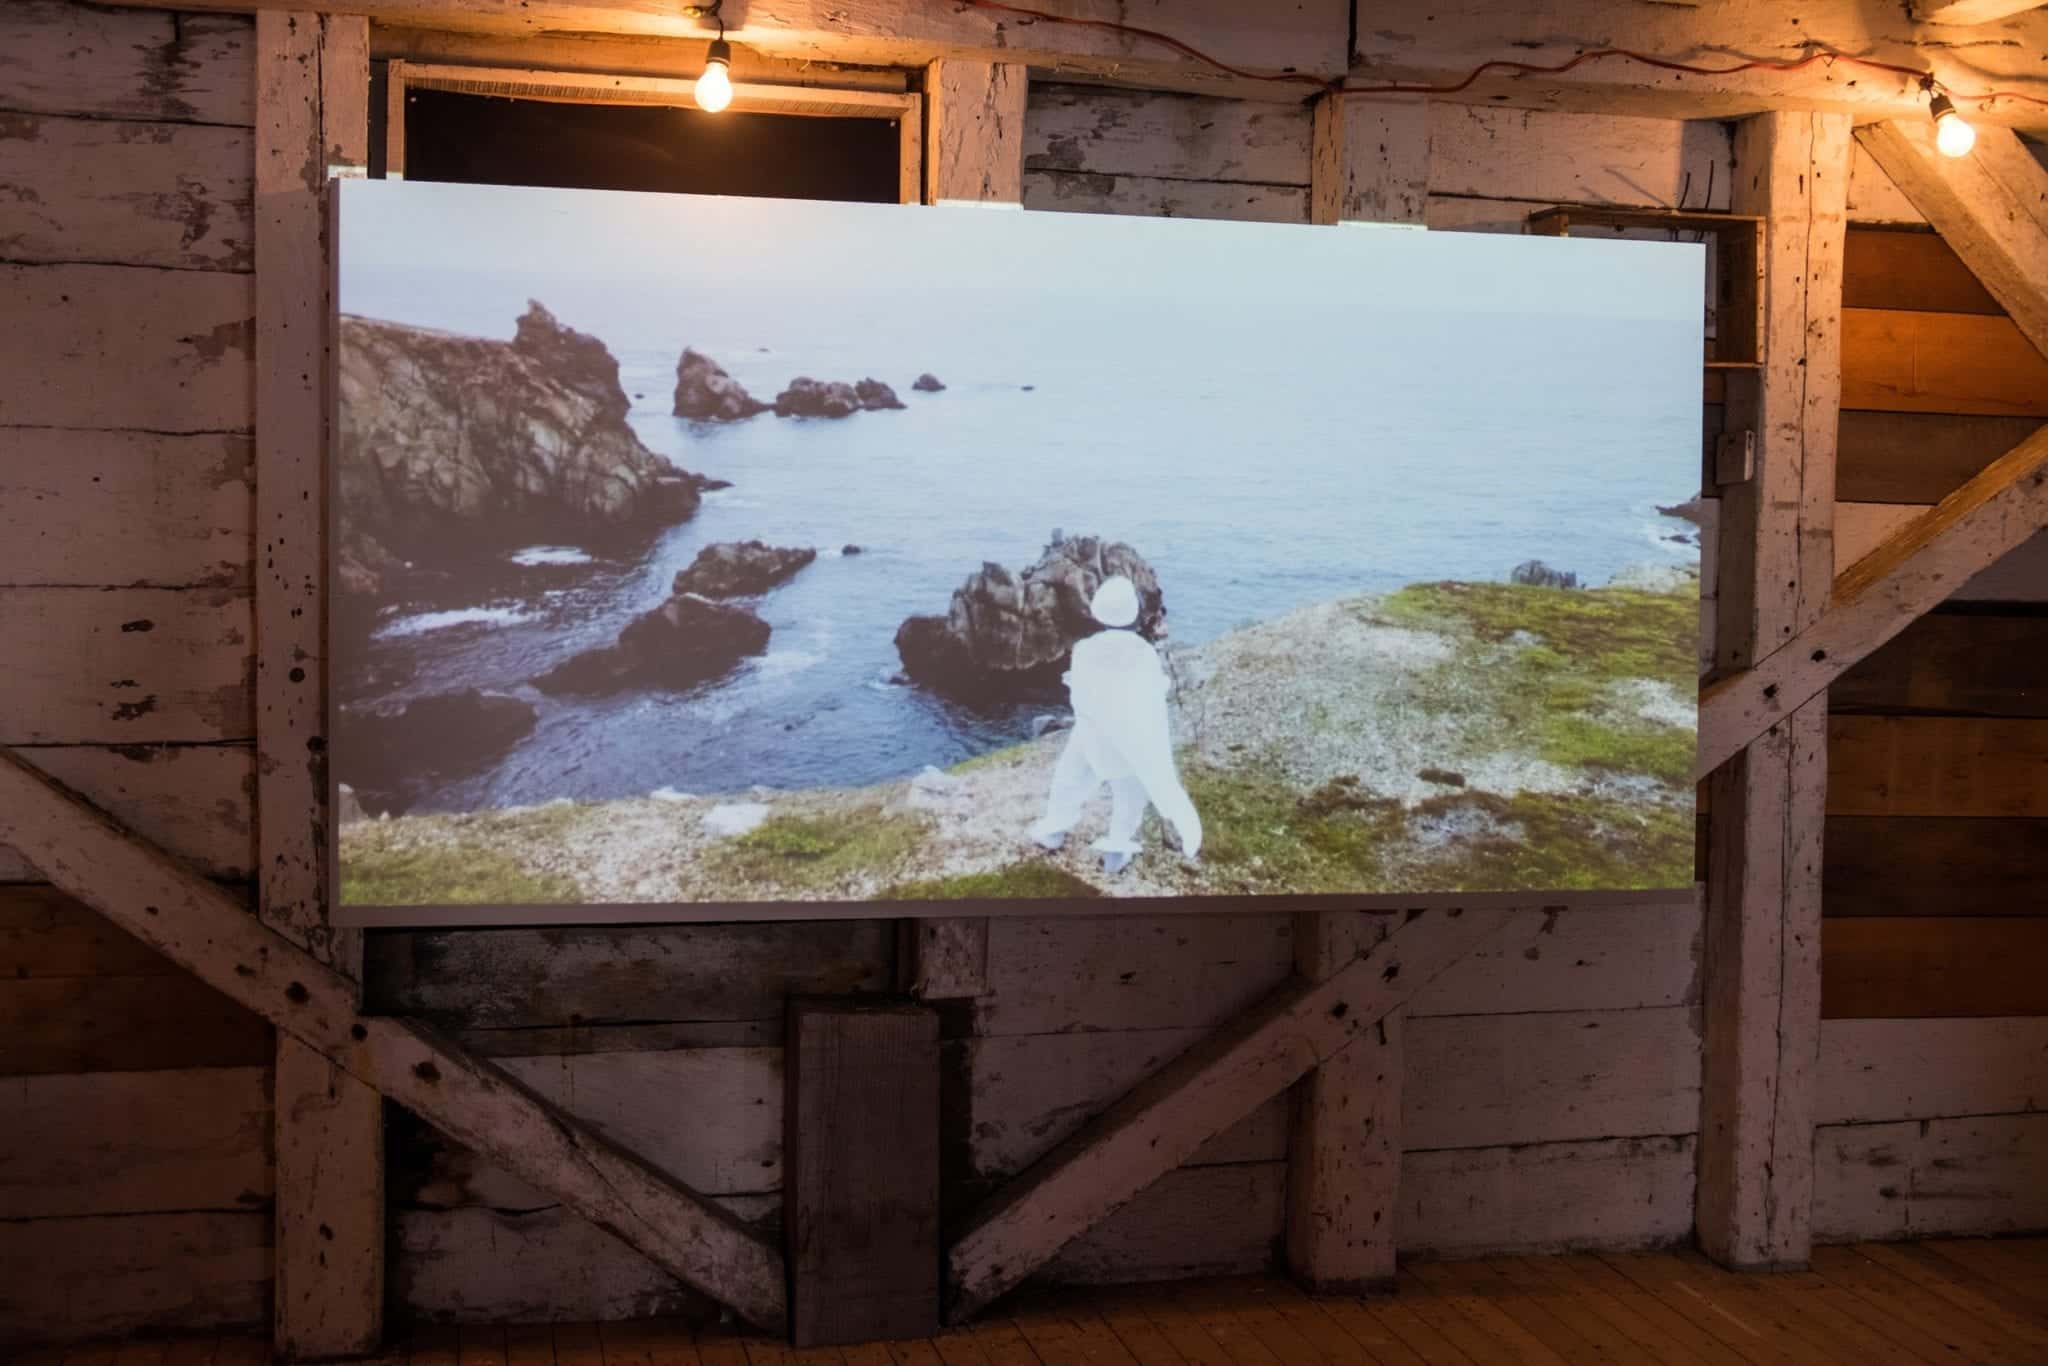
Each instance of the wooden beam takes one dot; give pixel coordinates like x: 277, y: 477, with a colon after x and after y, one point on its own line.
x: 1386, y: 161
x: 974, y: 131
x: 1761, y: 1023
x: 1164, y: 1120
x: 1344, y: 1141
x: 1878, y: 596
x: 312, y: 117
x: 204, y: 929
x: 1969, y: 11
x: 1990, y: 207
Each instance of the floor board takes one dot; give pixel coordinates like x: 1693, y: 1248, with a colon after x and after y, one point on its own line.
x: 1966, y: 1300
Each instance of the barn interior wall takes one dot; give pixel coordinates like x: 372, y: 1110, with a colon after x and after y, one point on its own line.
x: 1550, y: 1101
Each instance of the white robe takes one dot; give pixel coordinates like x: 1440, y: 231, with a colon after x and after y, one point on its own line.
x: 1120, y: 737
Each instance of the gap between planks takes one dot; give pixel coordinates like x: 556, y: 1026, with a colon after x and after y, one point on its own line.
x: 1971, y: 1299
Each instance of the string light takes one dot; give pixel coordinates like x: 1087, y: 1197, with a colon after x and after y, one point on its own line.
x: 1827, y: 55
x: 1952, y: 135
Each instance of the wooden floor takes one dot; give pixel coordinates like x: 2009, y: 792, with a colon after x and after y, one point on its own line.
x: 1968, y: 1300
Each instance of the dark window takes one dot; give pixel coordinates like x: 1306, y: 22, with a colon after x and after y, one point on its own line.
x: 485, y: 140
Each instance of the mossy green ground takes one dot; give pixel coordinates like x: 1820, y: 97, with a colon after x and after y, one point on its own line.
x: 1568, y: 649
x: 1014, y: 881
x: 470, y: 869
x: 800, y: 853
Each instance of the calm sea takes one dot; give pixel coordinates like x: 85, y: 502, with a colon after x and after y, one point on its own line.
x: 1258, y: 468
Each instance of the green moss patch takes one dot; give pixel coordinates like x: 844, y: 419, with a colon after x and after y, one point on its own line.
x: 1006, y: 757
x: 1038, y: 881
x: 818, y: 852
x: 460, y: 874
x: 1261, y: 835
x: 1553, y: 840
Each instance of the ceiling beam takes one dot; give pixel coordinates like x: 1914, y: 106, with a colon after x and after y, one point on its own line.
x: 1970, y: 11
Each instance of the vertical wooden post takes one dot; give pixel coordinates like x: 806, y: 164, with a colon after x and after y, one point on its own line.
x: 974, y: 150
x: 1344, y: 1145
x: 312, y: 92
x: 861, y: 1171
x: 1369, y: 160
x: 1762, y: 1011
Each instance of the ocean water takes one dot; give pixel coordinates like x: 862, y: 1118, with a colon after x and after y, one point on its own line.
x: 1259, y: 468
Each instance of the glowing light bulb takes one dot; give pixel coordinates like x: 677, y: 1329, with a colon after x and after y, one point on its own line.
x: 714, y: 87
x: 1952, y: 134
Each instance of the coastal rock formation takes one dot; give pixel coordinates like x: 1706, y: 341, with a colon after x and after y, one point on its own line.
x: 706, y: 393
x: 685, y: 641
x: 807, y: 397
x: 928, y: 383
x: 739, y: 569
x: 452, y: 444
x: 389, y: 752
x: 1010, y: 635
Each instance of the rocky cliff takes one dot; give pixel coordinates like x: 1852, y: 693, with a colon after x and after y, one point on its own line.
x: 450, y: 444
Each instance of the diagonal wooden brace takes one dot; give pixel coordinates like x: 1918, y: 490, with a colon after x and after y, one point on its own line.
x: 1161, y: 1122
x: 202, y: 928
x: 1880, y: 595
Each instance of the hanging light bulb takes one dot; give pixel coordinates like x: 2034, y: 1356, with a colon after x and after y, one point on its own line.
x: 1952, y: 134
x: 714, y: 87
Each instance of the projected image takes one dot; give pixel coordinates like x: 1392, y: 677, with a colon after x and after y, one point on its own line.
x: 759, y: 554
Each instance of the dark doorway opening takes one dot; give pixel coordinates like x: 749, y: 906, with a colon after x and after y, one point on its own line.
x: 483, y: 140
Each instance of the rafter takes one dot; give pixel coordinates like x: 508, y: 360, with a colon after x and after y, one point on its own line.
x: 200, y: 927
x: 1160, y: 1123
x: 1877, y: 597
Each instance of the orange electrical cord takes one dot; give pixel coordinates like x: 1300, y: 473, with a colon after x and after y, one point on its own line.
x: 1499, y: 64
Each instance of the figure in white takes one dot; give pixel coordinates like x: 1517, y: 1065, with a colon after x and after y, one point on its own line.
x: 1120, y: 737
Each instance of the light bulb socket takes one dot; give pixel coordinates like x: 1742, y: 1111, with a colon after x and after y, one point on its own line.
x: 719, y: 54
x: 1941, y: 107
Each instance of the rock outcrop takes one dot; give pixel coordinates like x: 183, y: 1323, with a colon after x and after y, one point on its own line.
x: 807, y: 397
x: 1007, y: 636
x: 928, y: 383
x: 387, y: 754
x: 741, y: 569
x: 706, y: 393
x: 686, y: 641
x: 450, y: 445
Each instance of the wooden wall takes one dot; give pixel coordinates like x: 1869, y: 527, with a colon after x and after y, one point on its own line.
x: 1551, y: 1100
x: 1934, y: 1115
x: 135, y: 1180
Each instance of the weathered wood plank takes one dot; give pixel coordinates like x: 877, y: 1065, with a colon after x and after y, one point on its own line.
x: 145, y: 1023
x: 1930, y: 1178
x: 125, y: 666
x: 1918, y: 967
x: 126, y: 346
x: 482, y: 979
x: 135, y: 1143
x: 1991, y: 207
x: 861, y: 1198
x: 1883, y: 1070
x: 1129, y: 971
x: 1937, y: 766
x: 182, y: 503
x: 1911, y: 270
x: 194, y: 800
x: 1582, y: 958
x: 1898, y: 361
x: 1879, y: 865
x: 1975, y: 663
x: 613, y: 54
x: 1159, y: 1124
x: 1919, y: 457
x: 1024, y: 1095
x: 1164, y: 136
x: 710, y: 1117
x: 1198, y: 1221
x: 974, y: 131
x: 45, y: 933
x: 1877, y: 596
x: 1547, y: 1197
x: 196, y: 925
x: 1087, y: 192
x: 59, y: 58
x: 2018, y: 576
x: 1386, y: 161
x: 1344, y: 1142
x: 1564, y: 158
x: 329, y: 1235
x: 1872, y: 196
x: 112, y: 191
x: 1476, y: 1081
x: 485, y: 1266
x: 67, y: 1280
